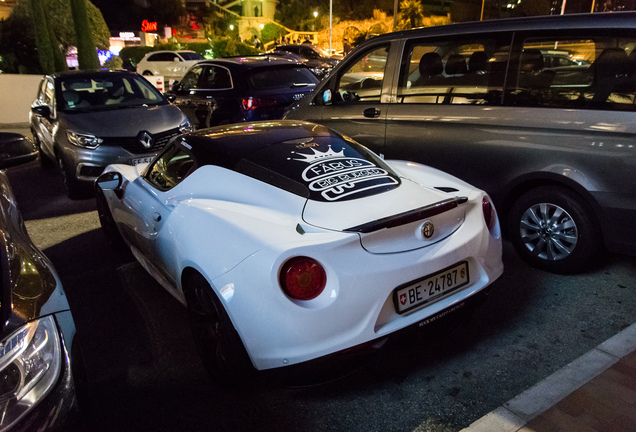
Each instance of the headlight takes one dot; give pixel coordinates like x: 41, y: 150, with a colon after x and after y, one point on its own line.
x: 30, y: 364
x: 186, y: 126
x: 84, y: 140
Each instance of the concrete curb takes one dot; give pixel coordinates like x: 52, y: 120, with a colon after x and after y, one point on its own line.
x: 514, y: 414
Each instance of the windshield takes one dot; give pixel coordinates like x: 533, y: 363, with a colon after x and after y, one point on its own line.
x: 85, y: 93
x: 190, y: 56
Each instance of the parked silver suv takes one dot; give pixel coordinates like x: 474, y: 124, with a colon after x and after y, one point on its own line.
x: 553, y: 146
x: 84, y: 121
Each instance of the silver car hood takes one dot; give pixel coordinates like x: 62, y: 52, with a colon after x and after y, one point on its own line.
x: 123, y: 121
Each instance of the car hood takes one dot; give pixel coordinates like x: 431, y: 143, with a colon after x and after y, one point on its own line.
x: 392, y: 221
x: 123, y: 121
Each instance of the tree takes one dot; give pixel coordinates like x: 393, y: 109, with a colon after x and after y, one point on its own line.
x: 43, y: 41
x: 411, y: 14
x: 62, y: 24
x: 86, y: 48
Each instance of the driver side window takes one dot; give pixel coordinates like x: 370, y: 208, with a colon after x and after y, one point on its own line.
x: 362, y: 82
x: 170, y: 168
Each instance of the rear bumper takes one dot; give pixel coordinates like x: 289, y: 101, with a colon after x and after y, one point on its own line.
x: 424, y: 334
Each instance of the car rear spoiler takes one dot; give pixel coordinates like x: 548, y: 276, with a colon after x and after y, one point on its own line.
x: 409, y: 216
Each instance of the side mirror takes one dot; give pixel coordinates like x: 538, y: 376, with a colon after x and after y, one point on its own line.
x: 111, y: 180
x: 326, y: 97
x: 42, y: 110
x: 171, y: 98
x: 15, y: 149
x: 176, y: 59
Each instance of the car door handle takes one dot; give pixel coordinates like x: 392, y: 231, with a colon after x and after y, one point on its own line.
x: 371, y: 112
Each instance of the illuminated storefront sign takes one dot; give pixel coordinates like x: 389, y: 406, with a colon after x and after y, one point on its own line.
x: 147, y: 26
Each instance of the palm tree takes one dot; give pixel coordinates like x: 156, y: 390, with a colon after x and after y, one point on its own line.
x: 411, y: 14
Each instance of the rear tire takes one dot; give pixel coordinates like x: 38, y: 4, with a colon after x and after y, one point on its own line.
x: 147, y: 73
x: 553, y: 229
x: 216, y: 339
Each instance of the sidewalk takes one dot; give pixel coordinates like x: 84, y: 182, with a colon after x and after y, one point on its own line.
x: 596, y: 392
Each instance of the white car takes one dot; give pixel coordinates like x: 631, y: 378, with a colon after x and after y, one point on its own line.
x: 172, y: 65
x: 289, y: 243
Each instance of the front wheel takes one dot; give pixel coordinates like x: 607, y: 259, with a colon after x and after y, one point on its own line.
x: 216, y: 339
x: 45, y: 162
x: 554, y: 230
x: 74, y: 188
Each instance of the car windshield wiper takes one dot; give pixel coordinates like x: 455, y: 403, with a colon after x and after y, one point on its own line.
x: 303, y: 85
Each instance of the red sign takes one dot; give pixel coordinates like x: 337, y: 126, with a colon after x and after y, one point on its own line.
x: 147, y: 26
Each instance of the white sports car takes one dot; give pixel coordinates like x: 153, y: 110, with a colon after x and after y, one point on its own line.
x: 288, y: 242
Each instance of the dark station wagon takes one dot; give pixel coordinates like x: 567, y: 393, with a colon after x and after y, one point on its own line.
x: 235, y: 90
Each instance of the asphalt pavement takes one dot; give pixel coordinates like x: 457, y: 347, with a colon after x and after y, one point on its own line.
x: 144, y: 373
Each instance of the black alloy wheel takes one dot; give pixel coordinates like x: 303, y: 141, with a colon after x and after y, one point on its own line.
x: 216, y: 339
x: 553, y: 229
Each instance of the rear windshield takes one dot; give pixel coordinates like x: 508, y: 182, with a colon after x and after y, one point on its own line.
x: 280, y: 78
x: 321, y: 169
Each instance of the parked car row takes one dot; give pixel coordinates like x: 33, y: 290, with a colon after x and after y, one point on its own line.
x: 536, y: 113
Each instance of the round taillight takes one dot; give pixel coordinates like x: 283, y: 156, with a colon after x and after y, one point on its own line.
x: 489, y: 212
x: 303, y: 278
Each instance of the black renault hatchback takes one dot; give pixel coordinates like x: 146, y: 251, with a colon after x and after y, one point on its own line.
x: 235, y: 90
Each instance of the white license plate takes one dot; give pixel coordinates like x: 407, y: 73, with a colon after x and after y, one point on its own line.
x: 138, y: 161
x: 430, y: 288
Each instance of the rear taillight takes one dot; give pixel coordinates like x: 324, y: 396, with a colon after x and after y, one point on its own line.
x: 490, y: 215
x: 251, y: 103
x: 303, y: 278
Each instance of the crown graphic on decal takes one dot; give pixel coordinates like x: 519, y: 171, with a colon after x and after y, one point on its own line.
x: 318, y: 155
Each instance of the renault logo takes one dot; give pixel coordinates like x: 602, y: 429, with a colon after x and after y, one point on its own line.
x: 145, y: 139
x: 428, y: 229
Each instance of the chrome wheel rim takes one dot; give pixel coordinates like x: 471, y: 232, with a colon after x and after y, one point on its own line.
x: 548, y: 232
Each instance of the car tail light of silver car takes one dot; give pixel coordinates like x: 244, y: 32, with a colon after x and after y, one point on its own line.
x: 30, y: 364
x: 251, y: 103
x: 83, y: 140
x: 490, y: 214
x: 302, y: 278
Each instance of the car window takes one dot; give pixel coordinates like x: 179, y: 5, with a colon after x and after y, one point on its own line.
x: 170, y: 168
x: 362, y: 82
x: 456, y: 71
x: 191, y: 79
x: 49, y: 93
x: 190, y: 55
x: 216, y: 78
x: 282, y: 77
x: 588, y: 72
